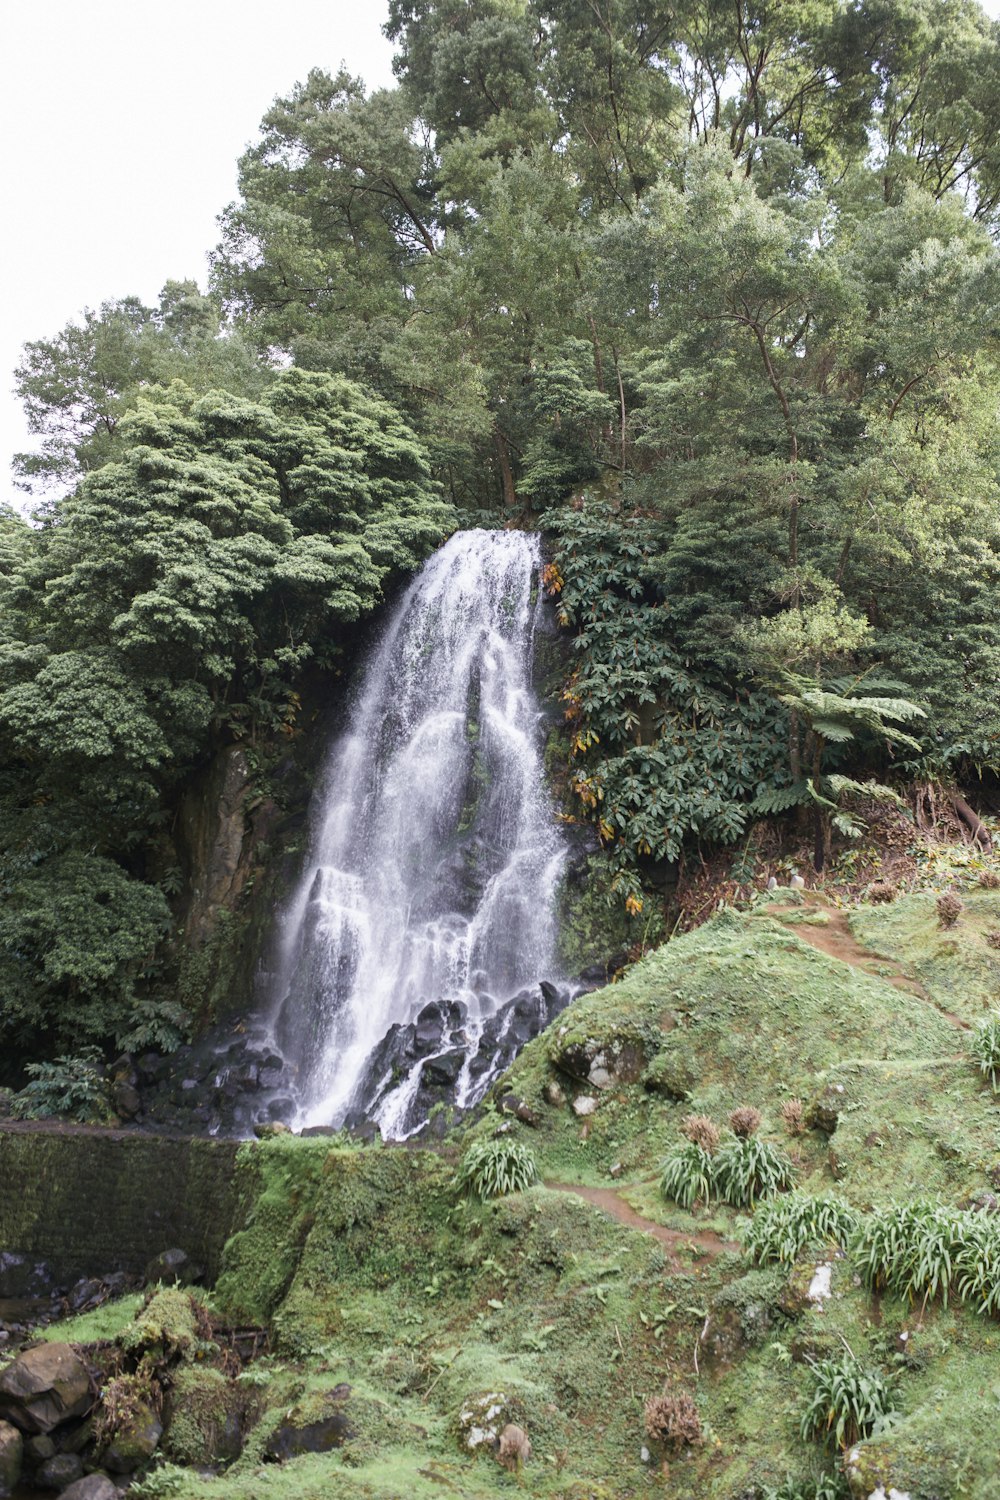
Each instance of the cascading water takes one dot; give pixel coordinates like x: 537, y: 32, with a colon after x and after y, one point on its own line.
x: 420, y: 943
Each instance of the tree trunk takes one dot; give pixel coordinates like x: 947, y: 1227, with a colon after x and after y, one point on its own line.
x: 977, y: 828
x: 506, y: 472
x: 821, y: 830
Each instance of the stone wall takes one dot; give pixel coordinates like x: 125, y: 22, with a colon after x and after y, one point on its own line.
x: 89, y: 1202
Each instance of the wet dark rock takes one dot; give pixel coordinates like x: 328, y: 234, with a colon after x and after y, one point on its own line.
x: 84, y: 1292
x: 76, y: 1436
x: 437, y: 1043
x: 44, y: 1387
x: 20, y: 1276
x: 289, y: 1441
x: 59, y: 1471
x: 39, y: 1448
x: 444, y: 1070
x: 362, y: 1129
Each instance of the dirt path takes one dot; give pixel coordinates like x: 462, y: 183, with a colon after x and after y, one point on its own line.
x: 618, y: 1208
x: 835, y: 938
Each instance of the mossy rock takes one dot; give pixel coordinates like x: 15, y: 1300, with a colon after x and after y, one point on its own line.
x: 167, y: 1325
x: 207, y: 1416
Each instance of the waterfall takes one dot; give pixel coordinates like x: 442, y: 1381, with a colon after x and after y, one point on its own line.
x: 420, y: 942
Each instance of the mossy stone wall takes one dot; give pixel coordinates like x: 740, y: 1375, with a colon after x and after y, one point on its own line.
x: 88, y: 1202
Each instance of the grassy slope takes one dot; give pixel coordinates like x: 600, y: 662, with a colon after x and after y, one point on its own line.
x: 373, y: 1272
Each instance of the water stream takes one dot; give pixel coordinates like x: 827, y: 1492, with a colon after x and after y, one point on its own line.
x: 420, y: 942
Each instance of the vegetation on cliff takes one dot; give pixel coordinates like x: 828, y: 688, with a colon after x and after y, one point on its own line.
x: 710, y: 297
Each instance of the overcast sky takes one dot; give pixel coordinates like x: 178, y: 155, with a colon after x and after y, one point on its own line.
x: 123, y: 121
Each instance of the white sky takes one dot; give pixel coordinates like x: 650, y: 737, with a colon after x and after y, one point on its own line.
x: 123, y: 121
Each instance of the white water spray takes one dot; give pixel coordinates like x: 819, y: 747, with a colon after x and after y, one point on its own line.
x: 436, y: 857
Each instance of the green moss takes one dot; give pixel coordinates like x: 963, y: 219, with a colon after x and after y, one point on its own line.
x: 167, y: 1325
x: 103, y: 1325
x: 280, y: 1177
x: 956, y: 965
x: 372, y: 1271
x: 593, y: 925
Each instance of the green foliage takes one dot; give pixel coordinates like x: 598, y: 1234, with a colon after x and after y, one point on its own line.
x: 69, y: 1088
x: 984, y: 1044
x: 160, y: 1482
x: 785, y: 1226
x: 846, y: 1401
x: 740, y: 1172
x: 171, y: 604
x: 494, y: 1168
x: 661, y: 754
x: 748, y: 1169
x: 926, y: 1250
x: 826, y: 1487
x: 687, y: 1175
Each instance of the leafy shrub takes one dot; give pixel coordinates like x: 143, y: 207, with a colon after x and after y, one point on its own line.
x: 985, y: 1047
x: 924, y: 1249
x: 491, y: 1169
x: 160, y: 1483
x: 71, y: 1087
x: 701, y: 1130
x: 745, y: 1121
x: 687, y: 1175
x: 672, y: 1419
x: 782, y: 1228
x: 746, y: 1170
x: 949, y: 908
x: 847, y: 1401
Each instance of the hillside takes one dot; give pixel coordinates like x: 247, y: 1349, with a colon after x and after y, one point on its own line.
x: 394, y: 1303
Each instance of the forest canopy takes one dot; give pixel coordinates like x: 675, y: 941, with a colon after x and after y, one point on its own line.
x: 710, y: 294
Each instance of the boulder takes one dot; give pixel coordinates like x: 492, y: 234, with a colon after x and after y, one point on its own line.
x: 289, y: 1441
x: 174, y: 1268
x: 135, y: 1443
x: 304, y: 1431
x: 824, y: 1112
x: 482, y: 1419
x: 11, y: 1455
x: 60, y: 1471
x: 512, y: 1104
x: 92, y: 1487
x: 43, y: 1387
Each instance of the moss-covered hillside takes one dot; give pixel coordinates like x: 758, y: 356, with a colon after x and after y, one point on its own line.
x: 395, y: 1304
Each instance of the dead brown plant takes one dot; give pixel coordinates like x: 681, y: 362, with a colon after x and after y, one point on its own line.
x: 701, y: 1131
x: 745, y: 1121
x: 672, y: 1419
